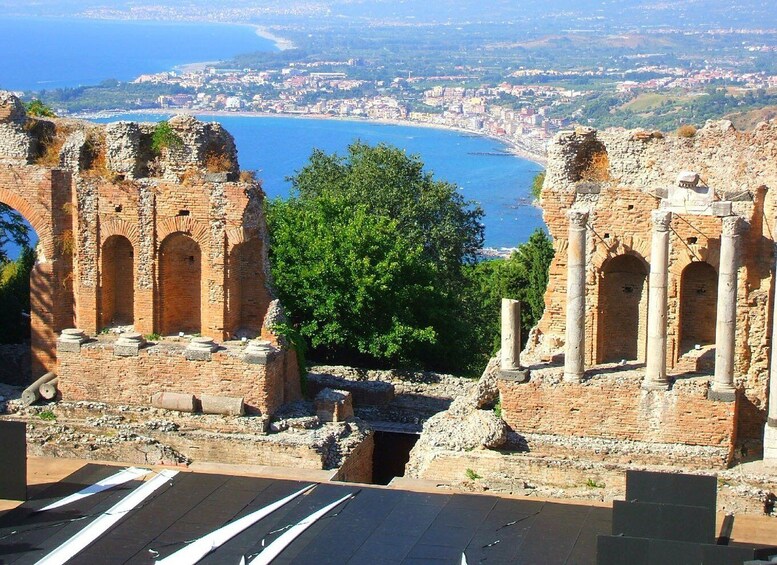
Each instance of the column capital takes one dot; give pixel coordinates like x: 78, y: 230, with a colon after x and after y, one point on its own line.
x: 662, y: 219
x: 577, y: 218
x: 733, y: 226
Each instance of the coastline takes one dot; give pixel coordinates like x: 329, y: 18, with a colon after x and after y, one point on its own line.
x: 513, y: 147
x: 281, y: 43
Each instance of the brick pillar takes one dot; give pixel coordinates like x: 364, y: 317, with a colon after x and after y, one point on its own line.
x: 725, y: 329
x: 511, y: 335
x: 574, y: 358
x: 655, y: 373
x: 770, y: 429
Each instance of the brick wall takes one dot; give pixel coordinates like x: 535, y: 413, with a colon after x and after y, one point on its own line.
x: 95, y: 373
x: 620, y: 409
x: 739, y: 167
x: 357, y: 467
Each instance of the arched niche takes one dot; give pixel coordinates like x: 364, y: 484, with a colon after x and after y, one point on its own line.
x: 247, y: 295
x: 623, y: 304
x: 180, y: 278
x: 117, y: 282
x: 698, y: 305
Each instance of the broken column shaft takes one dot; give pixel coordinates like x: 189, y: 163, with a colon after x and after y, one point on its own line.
x: 511, y: 335
x: 725, y: 328
x: 655, y: 373
x: 574, y: 358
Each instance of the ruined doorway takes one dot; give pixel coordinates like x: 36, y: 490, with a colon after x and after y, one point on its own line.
x: 117, y: 282
x: 180, y: 276
x: 623, y: 301
x: 698, y: 306
x: 17, y: 265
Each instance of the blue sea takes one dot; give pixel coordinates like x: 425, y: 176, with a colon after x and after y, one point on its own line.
x: 47, y: 53
x: 72, y: 52
x: 277, y: 147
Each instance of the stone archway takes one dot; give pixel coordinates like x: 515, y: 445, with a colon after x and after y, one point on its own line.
x: 180, y: 279
x: 698, y: 305
x: 117, y: 282
x: 623, y: 302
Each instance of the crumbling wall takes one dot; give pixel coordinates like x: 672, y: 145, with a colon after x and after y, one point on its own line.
x: 85, y: 186
x: 619, y: 177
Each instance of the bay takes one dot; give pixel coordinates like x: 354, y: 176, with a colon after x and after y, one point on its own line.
x: 277, y: 147
x: 47, y: 53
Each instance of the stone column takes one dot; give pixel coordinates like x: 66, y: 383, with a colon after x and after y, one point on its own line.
x: 725, y: 328
x: 655, y: 372
x: 770, y: 429
x: 511, y: 335
x: 574, y: 358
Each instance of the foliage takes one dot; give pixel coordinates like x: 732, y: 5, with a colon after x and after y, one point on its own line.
x: 472, y: 475
x: 523, y: 276
x: 293, y: 336
x: 38, y: 109
x: 498, y: 409
x: 47, y: 415
x: 368, y: 257
x: 13, y: 230
x: 593, y: 483
x: 536, y: 185
x: 153, y: 337
x: 15, y: 297
x: 164, y: 137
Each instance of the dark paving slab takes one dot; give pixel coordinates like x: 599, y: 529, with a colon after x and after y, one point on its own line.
x: 376, y: 526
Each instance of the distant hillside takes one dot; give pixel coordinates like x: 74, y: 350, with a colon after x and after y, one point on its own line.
x: 745, y: 121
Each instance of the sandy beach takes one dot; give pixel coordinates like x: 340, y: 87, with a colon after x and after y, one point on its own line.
x: 514, y: 148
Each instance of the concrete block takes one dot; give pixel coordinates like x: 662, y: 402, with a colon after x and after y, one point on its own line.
x: 182, y: 402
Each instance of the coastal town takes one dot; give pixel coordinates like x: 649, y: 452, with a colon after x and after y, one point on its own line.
x: 525, y: 110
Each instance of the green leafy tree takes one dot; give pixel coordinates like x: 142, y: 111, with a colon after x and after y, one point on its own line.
x: 15, y: 297
x: 38, y: 109
x: 368, y: 256
x: 523, y: 276
x: 13, y: 230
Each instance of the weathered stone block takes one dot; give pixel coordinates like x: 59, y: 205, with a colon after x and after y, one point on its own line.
x: 516, y: 376
x: 364, y: 393
x: 721, y: 209
x: 334, y: 405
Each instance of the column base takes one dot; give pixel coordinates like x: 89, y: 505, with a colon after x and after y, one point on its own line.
x: 516, y: 375
x: 722, y: 393
x: 573, y: 377
x: 655, y: 385
x: 770, y: 444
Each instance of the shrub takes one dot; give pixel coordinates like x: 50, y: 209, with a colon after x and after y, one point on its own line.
x: 38, y: 109
x: 164, y: 137
x: 686, y: 130
x: 536, y: 185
